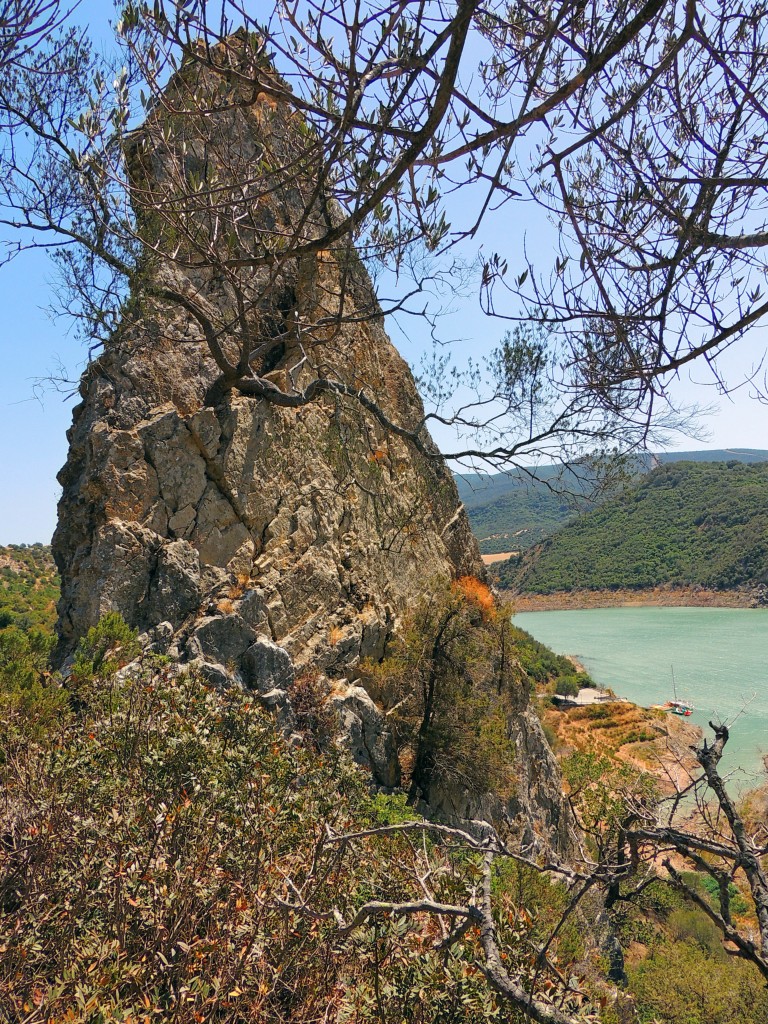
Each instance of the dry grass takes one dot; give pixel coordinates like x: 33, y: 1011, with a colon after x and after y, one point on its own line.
x: 604, y: 728
x: 240, y: 585
x: 335, y: 635
x: 651, y: 740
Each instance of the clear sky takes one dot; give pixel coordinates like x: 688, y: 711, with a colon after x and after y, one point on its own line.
x: 34, y: 420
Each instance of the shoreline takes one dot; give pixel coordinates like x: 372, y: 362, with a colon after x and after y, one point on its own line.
x: 645, y: 738
x: 656, y: 597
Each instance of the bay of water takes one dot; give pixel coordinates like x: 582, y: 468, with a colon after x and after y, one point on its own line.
x: 719, y: 657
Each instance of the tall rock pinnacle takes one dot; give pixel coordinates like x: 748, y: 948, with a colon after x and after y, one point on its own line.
x: 227, y: 514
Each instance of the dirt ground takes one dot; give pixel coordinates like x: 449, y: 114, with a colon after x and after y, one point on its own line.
x: 660, y: 597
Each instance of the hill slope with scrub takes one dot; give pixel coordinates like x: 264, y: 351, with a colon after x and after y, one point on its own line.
x: 684, y: 524
x: 165, y: 854
x: 517, y: 510
x: 29, y: 587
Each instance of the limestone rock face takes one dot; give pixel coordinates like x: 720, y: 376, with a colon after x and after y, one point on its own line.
x: 229, y: 516
x: 366, y: 735
x: 312, y: 526
x: 535, y: 813
x: 255, y: 540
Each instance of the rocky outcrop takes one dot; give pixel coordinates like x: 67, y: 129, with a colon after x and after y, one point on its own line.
x: 267, y: 539
x: 228, y: 515
x: 365, y: 734
x: 312, y: 527
x: 534, y: 811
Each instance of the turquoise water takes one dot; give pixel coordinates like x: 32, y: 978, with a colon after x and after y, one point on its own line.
x: 719, y: 656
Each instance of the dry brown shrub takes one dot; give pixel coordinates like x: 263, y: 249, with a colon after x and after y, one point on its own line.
x: 478, y: 594
x: 309, y: 700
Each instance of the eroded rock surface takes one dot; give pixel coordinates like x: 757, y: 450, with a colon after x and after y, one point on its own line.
x: 266, y: 540
x: 311, y: 526
x: 184, y: 498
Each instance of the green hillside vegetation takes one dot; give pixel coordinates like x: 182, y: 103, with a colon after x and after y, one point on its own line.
x: 29, y: 590
x: 477, y: 489
x: 746, y: 455
x: 520, y: 519
x: 678, y: 971
x: 684, y: 524
x: 29, y: 587
x: 515, y: 511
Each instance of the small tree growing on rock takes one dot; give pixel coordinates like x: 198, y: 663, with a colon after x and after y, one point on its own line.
x: 448, y: 684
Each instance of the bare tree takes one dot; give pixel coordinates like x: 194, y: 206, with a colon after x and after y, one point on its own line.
x: 24, y: 25
x: 721, y: 843
x: 416, y: 122
x: 515, y: 974
x: 633, y: 838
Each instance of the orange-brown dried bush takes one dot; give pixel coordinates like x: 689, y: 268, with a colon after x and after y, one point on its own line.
x: 477, y: 593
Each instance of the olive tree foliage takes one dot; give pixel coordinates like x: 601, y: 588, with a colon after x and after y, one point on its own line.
x: 24, y: 24
x: 637, y: 126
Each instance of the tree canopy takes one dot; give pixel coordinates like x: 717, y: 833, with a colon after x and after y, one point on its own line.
x: 637, y: 127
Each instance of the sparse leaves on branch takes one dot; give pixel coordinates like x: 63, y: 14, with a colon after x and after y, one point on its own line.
x: 638, y: 129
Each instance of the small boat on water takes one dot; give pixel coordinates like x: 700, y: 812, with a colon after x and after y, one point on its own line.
x: 677, y: 707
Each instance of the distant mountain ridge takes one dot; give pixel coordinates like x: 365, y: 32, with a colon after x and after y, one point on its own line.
x: 683, y: 524
x: 511, y: 512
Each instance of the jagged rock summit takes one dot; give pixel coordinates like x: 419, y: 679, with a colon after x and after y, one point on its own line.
x: 244, y: 527
x: 227, y: 515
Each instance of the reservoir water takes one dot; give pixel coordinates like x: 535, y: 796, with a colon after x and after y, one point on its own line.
x: 719, y: 657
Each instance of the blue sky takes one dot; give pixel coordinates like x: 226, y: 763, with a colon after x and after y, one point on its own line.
x: 34, y: 420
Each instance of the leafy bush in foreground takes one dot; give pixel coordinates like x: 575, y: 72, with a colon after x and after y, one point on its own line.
x: 166, y: 856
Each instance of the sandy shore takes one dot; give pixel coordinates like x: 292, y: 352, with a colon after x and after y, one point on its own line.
x: 658, y: 597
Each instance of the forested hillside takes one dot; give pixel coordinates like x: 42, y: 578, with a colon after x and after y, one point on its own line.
x: 685, y: 523
x: 515, y: 511
x: 520, y: 518
x: 29, y: 587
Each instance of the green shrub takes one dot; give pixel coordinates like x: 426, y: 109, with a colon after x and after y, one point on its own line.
x: 168, y: 857
x: 567, y: 686
x: 707, y: 886
x: 550, y: 735
x: 450, y: 681
x: 689, y: 924
x: 681, y: 983
x: 105, y: 648
x: 31, y: 701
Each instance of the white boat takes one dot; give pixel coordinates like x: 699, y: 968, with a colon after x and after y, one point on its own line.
x: 678, y: 707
